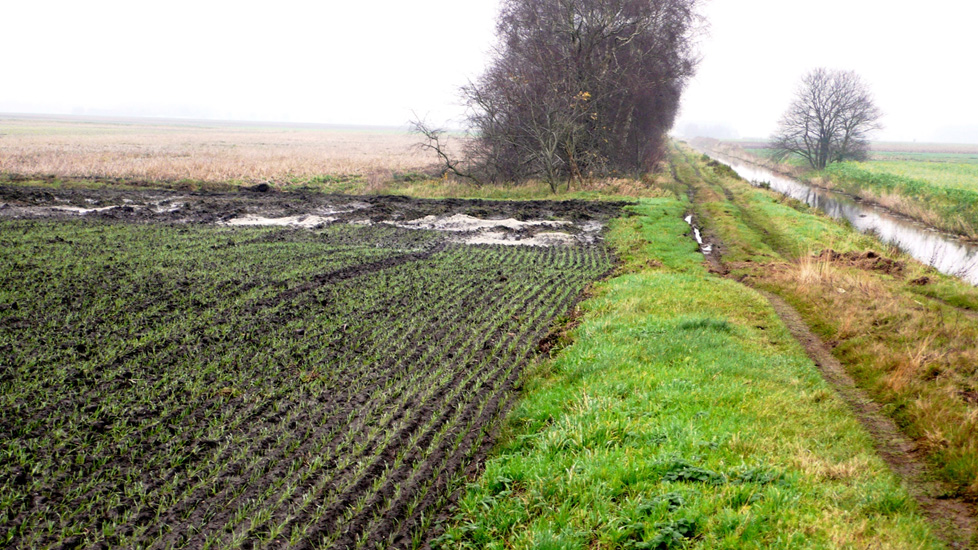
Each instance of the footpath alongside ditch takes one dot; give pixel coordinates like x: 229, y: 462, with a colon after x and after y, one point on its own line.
x: 952, y: 514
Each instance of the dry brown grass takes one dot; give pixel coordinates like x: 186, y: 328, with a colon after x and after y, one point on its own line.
x: 916, y: 354
x: 167, y: 151
x: 824, y: 468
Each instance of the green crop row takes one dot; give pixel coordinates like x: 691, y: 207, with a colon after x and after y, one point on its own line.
x: 186, y: 386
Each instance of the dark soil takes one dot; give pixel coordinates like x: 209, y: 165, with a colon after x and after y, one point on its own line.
x: 169, y: 206
x: 402, y: 415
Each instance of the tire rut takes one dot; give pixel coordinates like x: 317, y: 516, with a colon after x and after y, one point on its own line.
x: 954, y: 519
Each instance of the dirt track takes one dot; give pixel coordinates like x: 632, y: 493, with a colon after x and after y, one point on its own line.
x: 953, y: 518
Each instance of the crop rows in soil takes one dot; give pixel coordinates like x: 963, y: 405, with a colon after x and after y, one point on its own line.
x: 213, y: 387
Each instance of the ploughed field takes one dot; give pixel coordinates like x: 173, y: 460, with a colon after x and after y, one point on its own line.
x: 211, y: 386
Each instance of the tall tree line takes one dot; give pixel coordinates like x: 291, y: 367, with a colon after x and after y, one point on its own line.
x: 577, y: 89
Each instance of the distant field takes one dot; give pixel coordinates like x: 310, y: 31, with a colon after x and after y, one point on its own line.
x: 207, y: 151
x: 943, y: 174
x: 955, y: 158
x: 934, y: 152
x: 945, y: 153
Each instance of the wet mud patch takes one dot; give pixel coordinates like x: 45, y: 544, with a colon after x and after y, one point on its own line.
x: 469, y: 221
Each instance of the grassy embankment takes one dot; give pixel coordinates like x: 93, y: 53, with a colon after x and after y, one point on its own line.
x: 683, y: 415
x: 939, y: 189
x: 905, y: 332
x: 942, y: 195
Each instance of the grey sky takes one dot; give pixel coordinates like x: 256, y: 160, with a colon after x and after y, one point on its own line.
x: 917, y: 58
x: 373, y: 62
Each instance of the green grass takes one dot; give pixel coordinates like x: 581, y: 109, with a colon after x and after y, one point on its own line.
x: 905, y: 335
x: 944, y: 196
x: 941, y: 174
x: 683, y: 415
x: 939, y: 189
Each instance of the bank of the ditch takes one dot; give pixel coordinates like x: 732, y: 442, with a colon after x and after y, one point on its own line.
x: 902, y: 331
x: 683, y: 415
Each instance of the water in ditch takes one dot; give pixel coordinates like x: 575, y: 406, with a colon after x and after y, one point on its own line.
x: 944, y: 252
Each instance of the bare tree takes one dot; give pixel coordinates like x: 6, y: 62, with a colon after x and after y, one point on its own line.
x: 433, y: 142
x: 829, y: 120
x: 579, y: 88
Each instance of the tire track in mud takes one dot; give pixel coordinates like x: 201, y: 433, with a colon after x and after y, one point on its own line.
x: 331, y: 410
x: 954, y: 519
x: 349, y: 272
x: 113, y: 383
x: 386, y: 504
x: 108, y: 382
x: 202, y: 449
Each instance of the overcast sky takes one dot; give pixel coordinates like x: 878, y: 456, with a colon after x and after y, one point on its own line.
x: 373, y: 62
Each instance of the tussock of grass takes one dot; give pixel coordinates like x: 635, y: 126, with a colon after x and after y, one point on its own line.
x: 684, y: 415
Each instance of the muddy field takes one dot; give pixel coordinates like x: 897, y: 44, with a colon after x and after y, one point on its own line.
x: 172, y: 380
x: 262, y: 205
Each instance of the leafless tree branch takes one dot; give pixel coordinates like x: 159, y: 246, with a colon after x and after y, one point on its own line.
x: 433, y: 142
x: 576, y: 89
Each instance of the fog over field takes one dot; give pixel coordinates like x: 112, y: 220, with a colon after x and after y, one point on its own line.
x: 374, y: 63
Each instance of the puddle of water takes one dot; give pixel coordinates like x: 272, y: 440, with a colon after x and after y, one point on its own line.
x: 462, y: 222
x: 81, y: 211
x: 946, y: 253
x: 160, y: 208
x: 592, y: 226
x: 706, y: 249
x: 509, y: 239
x: 305, y: 220
x: 470, y: 230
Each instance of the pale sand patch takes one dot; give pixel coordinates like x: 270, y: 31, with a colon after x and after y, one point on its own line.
x: 553, y: 238
x: 463, y: 222
x: 304, y: 220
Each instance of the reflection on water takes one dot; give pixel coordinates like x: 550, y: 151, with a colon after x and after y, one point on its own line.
x: 705, y: 248
x: 945, y: 253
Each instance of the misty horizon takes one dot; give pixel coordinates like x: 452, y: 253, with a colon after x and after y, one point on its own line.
x: 322, y: 64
